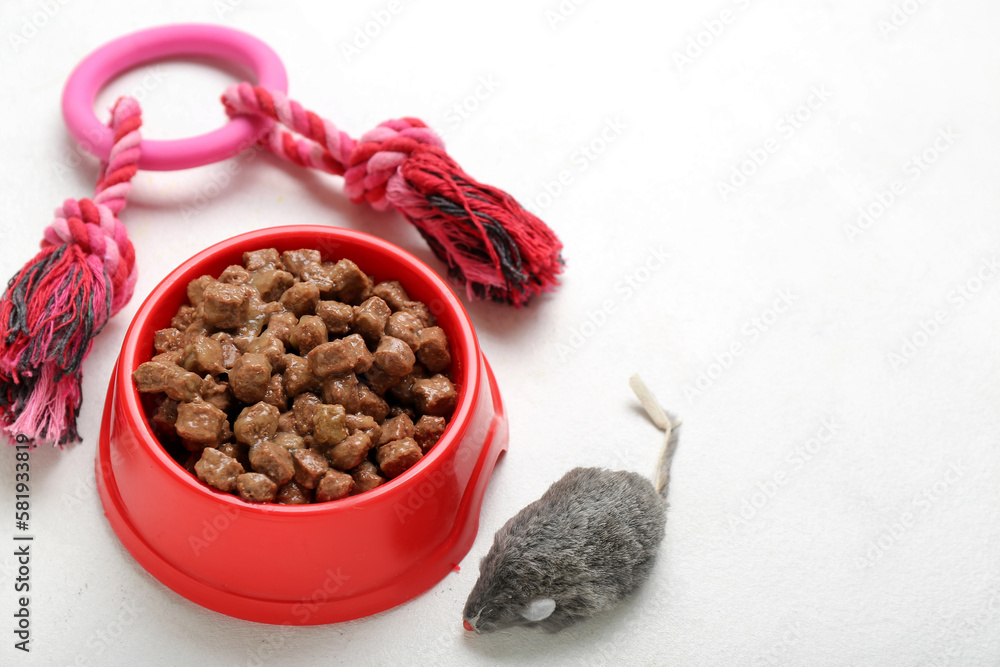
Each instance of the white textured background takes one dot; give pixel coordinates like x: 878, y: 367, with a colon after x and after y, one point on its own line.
x: 832, y: 504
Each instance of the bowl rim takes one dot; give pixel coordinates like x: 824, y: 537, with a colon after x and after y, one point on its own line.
x: 466, y: 342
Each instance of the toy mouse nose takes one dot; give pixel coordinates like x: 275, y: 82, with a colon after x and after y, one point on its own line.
x: 467, y: 625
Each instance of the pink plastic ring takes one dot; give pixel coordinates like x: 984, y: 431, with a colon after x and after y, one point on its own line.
x: 190, y: 39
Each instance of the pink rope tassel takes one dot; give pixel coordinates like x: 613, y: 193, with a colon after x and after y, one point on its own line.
x: 55, y: 306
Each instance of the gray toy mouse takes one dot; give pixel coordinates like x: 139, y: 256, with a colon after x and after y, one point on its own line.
x: 580, y: 549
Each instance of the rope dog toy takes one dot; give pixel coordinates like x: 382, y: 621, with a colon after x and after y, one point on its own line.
x: 60, y: 300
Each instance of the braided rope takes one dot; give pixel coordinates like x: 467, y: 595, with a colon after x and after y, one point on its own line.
x: 93, y: 224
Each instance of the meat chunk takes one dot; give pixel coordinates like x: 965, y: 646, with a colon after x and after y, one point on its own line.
x: 249, y: 377
x: 370, y: 319
x: 308, y: 333
x: 273, y: 460
x: 304, y: 406
x: 366, y: 477
x: 268, y: 258
x: 398, y: 456
x: 171, y: 379
x: 405, y: 326
x: 340, y: 356
x: 336, y: 316
x: 342, y: 390
x: 289, y: 439
x: 435, y: 396
x: 237, y: 451
x: 310, y: 466
x: 218, y: 470
x: 200, y: 422
x: 428, y: 430
x: 281, y: 325
x: 226, y: 306
x: 256, y: 422
x: 298, y: 261
x: 216, y: 393
x: 204, y: 355
x: 165, y: 416
x: 371, y: 403
x: 271, y: 283
x: 293, y: 494
x: 432, y: 349
x: 350, y: 284
x: 392, y: 293
x: 301, y: 298
x: 255, y: 487
x: 329, y: 425
x: 275, y: 394
x: 379, y: 381
x: 397, y: 428
x: 272, y: 348
x: 298, y: 377
x: 229, y: 351
x: 167, y: 340
x: 333, y: 485
x: 394, y: 357
x: 234, y: 274
x: 350, y: 451
x: 184, y: 317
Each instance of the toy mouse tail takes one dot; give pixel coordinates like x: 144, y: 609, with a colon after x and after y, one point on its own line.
x: 664, y: 421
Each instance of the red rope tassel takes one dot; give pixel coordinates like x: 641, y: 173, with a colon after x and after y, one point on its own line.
x: 61, y: 299
x: 492, y: 245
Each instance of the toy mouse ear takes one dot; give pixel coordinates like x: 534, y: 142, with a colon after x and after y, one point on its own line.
x: 539, y: 610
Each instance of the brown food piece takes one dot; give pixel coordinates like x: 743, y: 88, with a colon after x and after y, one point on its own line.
x: 428, y: 430
x: 397, y: 428
x: 329, y: 425
x: 351, y: 451
x: 167, y: 340
x: 336, y: 316
x: 184, y: 317
x: 268, y: 258
x: 196, y: 290
x: 229, y: 352
x: 275, y: 394
x: 218, y: 470
x: 216, y: 393
x: 234, y: 274
x: 288, y: 440
x: 350, y: 284
x: 238, y: 451
x: 370, y: 319
x: 249, y: 377
x: 432, y: 349
x: 298, y: 377
x: 166, y: 416
x: 297, y: 261
x: 366, y: 477
x: 304, y: 406
x: 204, y: 355
x: 197, y: 329
x: 403, y: 392
x: 342, y: 390
x: 310, y: 466
x: 271, y: 283
x: 380, y: 381
x: 333, y: 485
x: 340, y: 356
x: 286, y: 422
x: 255, y: 423
x: 398, y: 456
x: 392, y: 293
x: 256, y: 487
x: 200, y: 422
x: 420, y: 311
x: 434, y: 396
x: 301, y: 298
x: 293, y: 494
x: 397, y: 410
x: 394, y: 357
x: 405, y: 326
x: 273, y: 460
x: 366, y: 423
x: 371, y: 403
x: 226, y: 306
x: 174, y: 381
x: 272, y: 348
x: 309, y: 333
x: 281, y: 325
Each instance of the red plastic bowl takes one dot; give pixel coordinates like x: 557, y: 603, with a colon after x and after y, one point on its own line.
x: 305, y: 564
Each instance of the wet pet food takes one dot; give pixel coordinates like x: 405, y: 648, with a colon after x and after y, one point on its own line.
x: 293, y: 380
